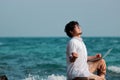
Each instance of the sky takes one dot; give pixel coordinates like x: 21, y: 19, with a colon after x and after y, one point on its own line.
x: 47, y: 18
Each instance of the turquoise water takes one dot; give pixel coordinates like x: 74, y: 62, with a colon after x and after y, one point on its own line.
x: 45, y: 58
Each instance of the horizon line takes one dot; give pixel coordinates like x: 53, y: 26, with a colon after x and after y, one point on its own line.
x: 49, y: 36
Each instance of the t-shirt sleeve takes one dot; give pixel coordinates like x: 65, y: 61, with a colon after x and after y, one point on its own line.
x: 72, y: 47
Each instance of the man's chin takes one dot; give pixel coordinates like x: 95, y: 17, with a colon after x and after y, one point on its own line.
x: 80, y: 33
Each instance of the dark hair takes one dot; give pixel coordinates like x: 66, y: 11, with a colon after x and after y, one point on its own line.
x: 3, y: 77
x: 70, y: 27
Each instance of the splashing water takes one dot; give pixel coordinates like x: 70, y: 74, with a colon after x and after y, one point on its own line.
x: 114, y: 69
x: 50, y: 77
x: 31, y: 77
x: 54, y: 77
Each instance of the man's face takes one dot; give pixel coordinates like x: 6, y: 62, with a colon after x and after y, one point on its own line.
x: 77, y: 31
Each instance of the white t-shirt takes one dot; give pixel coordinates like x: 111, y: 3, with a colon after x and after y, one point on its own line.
x: 79, y: 68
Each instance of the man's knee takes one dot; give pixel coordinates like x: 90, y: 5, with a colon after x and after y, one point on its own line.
x: 102, y: 67
x: 102, y: 61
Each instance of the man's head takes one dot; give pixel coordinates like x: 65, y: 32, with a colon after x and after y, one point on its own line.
x: 73, y: 29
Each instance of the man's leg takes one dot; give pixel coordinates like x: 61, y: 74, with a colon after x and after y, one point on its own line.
x: 96, y: 77
x: 99, y: 66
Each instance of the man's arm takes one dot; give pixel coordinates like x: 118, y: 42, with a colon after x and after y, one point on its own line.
x: 73, y: 57
x: 93, y: 57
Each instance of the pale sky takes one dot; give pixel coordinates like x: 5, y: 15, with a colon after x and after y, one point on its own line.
x: 46, y: 18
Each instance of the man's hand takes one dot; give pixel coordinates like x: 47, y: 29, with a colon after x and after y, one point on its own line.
x: 73, y: 57
x: 98, y: 55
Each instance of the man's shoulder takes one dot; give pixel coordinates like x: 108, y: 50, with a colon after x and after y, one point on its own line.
x: 73, y: 41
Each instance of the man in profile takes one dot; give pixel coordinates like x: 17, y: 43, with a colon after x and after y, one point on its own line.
x: 77, y: 59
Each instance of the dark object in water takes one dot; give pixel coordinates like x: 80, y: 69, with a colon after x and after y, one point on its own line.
x: 3, y: 77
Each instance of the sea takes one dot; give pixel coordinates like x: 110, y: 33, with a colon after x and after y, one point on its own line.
x: 44, y: 58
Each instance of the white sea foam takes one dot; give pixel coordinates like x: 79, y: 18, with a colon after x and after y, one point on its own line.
x: 31, y: 77
x: 56, y: 77
x: 50, y: 77
x: 114, y: 69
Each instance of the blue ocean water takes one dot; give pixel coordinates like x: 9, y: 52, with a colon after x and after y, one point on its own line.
x: 44, y: 58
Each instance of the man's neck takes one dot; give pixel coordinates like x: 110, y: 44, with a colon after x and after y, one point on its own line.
x: 77, y: 36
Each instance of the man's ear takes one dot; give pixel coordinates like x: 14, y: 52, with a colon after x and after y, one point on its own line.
x: 71, y: 32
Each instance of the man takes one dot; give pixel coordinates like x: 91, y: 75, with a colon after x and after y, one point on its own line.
x: 77, y: 60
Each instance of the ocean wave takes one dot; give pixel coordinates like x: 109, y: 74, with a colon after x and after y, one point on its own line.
x: 114, y: 69
x: 50, y: 77
x: 1, y: 43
